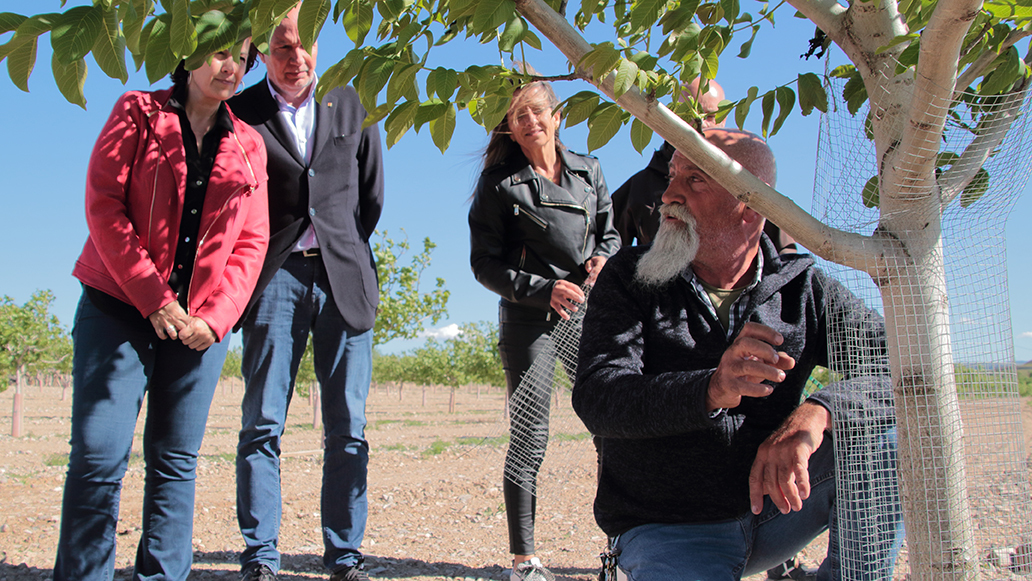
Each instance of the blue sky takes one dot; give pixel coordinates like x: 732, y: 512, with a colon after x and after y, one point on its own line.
x: 46, y: 145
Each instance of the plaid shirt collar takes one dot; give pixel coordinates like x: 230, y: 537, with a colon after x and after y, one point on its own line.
x: 741, y: 303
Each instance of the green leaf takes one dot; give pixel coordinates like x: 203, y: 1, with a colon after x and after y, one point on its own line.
x: 310, y: 20
x: 21, y: 49
x: 811, y: 94
x: 443, y: 82
x: 265, y: 14
x: 403, y: 84
x: 768, y: 111
x: 135, y: 17
x: 391, y: 10
x: 371, y: 80
x: 358, y: 20
x: 676, y: 20
x: 579, y: 107
x: 531, y: 39
x: 626, y: 73
x: 491, y: 15
x: 70, y: 79
x: 731, y: 10
x: 842, y: 72
x: 400, y: 121
x: 341, y: 73
x: 10, y: 21
x: 641, y: 135
x: 429, y: 111
x: 513, y: 34
x: 786, y: 101
x: 442, y: 128
x: 976, y: 189
x: 870, y: 193
x: 644, y: 14
x: 182, y: 35
x: 109, y: 50
x: 491, y: 109
x: 742, y: 110
x: 908, y: 57
x: 590, y: 7
x: 75, y: 32
x: 215, y: 32
x: 1008, y: 69
x: 644, y: 60
x: 1009, y: 9
x: 710, y: 63
x: 855, y: 93
x: 160, y: 60
x: 746, y: 49
x: 604, y: 123
x: 897, y: 41
x: 601, y: 60
x: 373, y: 117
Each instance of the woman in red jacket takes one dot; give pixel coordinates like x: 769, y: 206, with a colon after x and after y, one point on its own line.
x: 176, y: 205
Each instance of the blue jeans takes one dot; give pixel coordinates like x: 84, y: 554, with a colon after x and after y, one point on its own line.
x: 114, y: 364
x: 298, y: 301
x: 750, y: 544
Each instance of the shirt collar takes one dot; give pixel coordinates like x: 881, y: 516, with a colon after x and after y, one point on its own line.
x: 689, y: 274
x: 282, y: 103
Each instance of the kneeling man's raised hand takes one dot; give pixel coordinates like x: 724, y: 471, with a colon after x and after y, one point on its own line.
x: 750, y: 360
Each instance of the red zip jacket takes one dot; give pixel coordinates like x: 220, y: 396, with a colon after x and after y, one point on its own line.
x: 134, y: 198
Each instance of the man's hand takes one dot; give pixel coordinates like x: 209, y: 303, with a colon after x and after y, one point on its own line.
x: 566, y: 295
x: 594, y: 266
x: 169, y: 320
x: 749, y: 361
x: 781, y: 467
x: 197, y: 335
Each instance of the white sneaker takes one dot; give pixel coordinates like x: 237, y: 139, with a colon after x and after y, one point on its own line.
x: 531, y: 570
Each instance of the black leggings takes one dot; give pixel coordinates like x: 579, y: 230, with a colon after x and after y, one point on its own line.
x: 522, y: 336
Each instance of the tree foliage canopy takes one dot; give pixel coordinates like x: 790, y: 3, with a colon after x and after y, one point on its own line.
x: 655, y: 46
x: 31, y: 338
x: 469, y: 357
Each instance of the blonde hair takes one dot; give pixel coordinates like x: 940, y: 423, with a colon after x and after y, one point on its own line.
x: 500, y: 146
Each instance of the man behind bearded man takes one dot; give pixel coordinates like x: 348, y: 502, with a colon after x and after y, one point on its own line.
x: 693, y: 360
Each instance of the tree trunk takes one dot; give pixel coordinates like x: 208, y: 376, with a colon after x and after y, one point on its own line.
x: 16, y: 412
x: 314, y: 393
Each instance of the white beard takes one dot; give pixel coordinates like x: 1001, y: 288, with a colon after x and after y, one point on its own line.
x: 673, y: 249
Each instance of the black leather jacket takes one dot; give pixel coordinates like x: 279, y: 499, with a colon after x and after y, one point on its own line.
x: 523, y: 238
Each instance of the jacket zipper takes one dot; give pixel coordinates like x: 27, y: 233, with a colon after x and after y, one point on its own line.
x: 587, y: 220
x: 533, y: 218
x: 197, y: 253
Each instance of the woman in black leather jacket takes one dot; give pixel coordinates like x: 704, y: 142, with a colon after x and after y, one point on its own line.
x: 541, y: 226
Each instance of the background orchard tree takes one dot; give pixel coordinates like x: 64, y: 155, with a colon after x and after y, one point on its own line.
x: 29, y: 336
x: 909, y: 60
x: 404, y: 309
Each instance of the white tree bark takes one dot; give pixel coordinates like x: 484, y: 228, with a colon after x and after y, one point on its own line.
x: 903, y: 256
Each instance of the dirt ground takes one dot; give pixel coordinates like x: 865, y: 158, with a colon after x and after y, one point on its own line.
x: 435, y: 502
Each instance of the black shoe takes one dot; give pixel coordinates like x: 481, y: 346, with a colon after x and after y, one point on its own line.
x: 259, y: 573
x: 355, y: 573
x: 790, y: 569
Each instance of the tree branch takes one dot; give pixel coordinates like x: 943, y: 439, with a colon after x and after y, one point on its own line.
x: 934, y: 84
x: 985, y: 59
x: 990, y: 133
x: 853, y: 250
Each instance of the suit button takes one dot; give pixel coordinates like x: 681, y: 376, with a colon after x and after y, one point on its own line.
x: 311, y: 211
x: 311, y: 173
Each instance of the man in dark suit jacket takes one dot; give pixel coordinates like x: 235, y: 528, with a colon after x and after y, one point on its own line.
x: 325, y: 197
